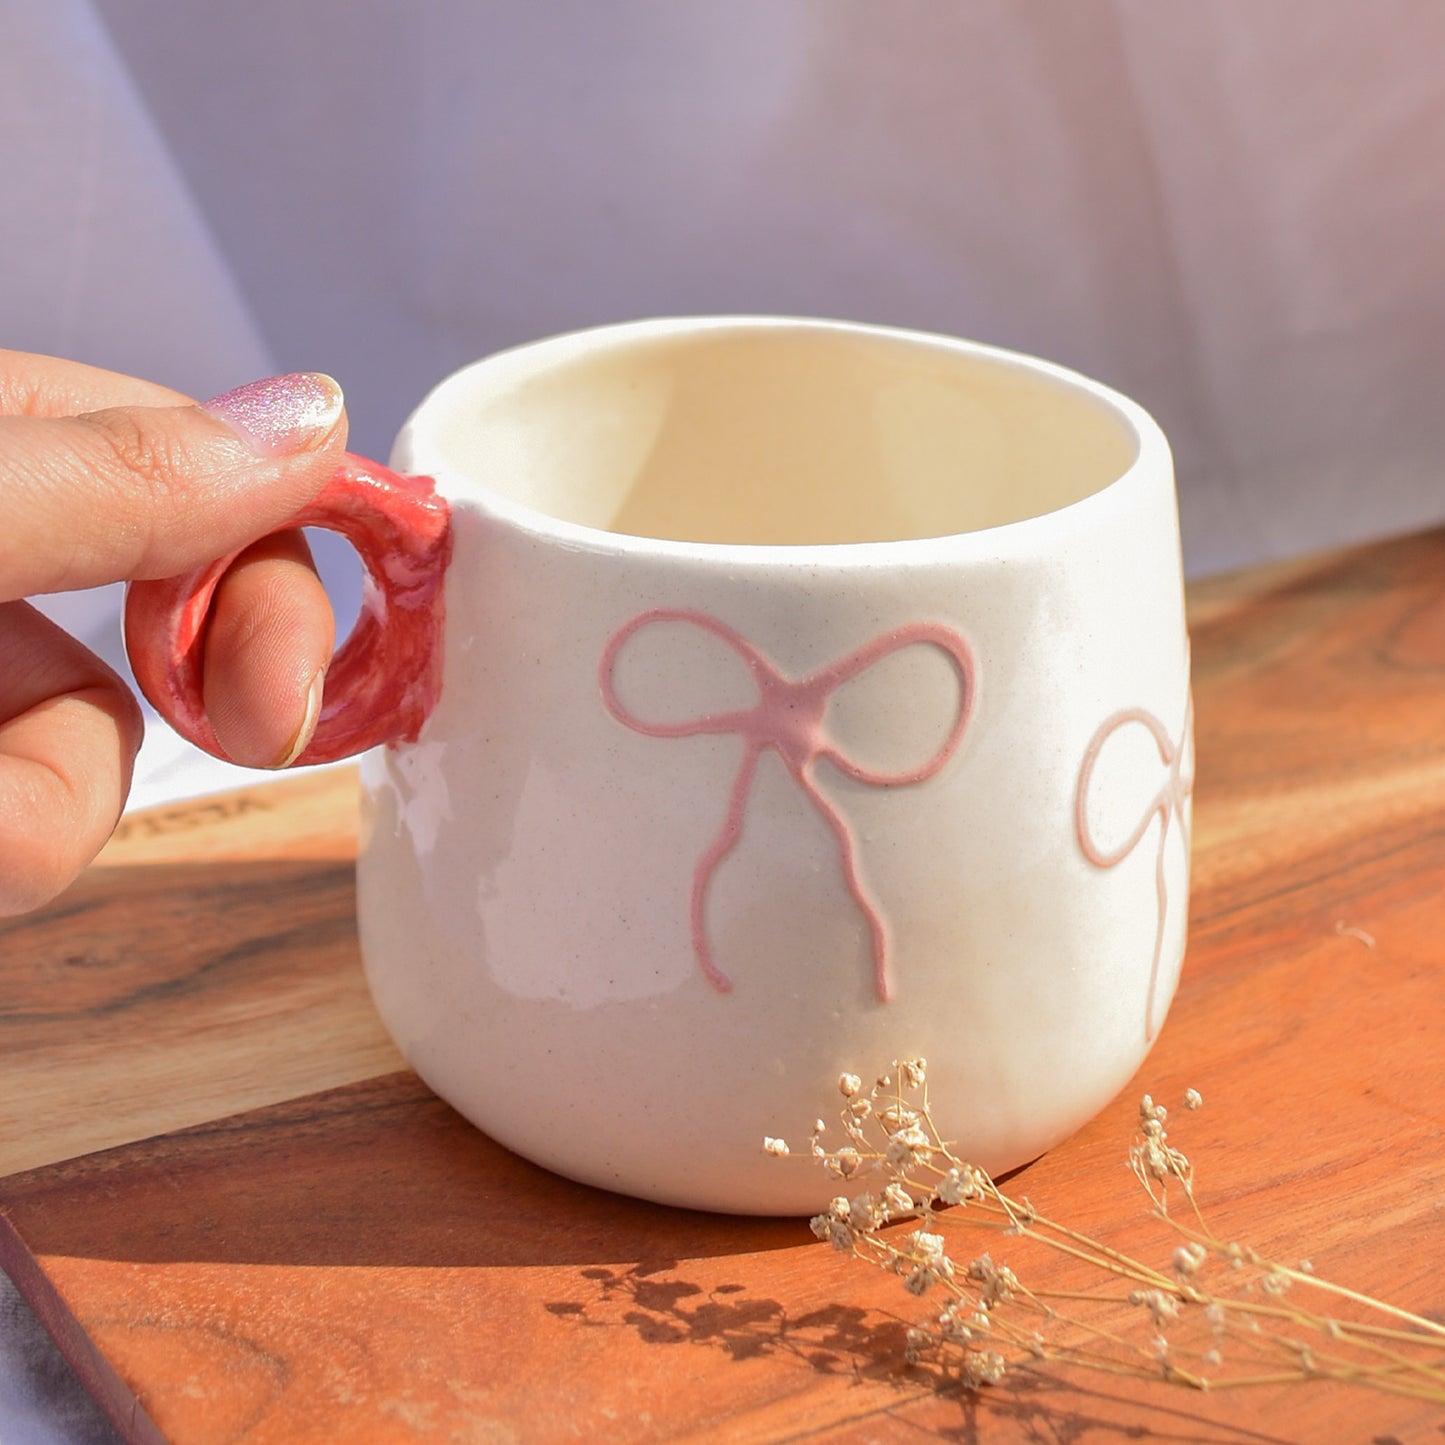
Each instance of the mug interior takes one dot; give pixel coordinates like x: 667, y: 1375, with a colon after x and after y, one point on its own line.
x: 783, y: 433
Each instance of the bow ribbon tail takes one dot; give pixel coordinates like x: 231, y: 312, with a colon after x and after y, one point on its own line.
x: 1167, y: 804
x: 717, y: 850
x: 1150, y: 1027
x: 847, y: 855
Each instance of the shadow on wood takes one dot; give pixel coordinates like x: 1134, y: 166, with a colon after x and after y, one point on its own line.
x: 376, y: 1173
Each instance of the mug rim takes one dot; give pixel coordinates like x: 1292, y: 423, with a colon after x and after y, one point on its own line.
x: 1151, y: 459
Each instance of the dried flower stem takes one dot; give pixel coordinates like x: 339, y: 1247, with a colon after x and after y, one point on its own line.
x: 893, y: 1143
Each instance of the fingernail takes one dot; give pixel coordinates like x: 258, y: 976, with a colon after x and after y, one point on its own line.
x: 307, y: 731
x: 281, y: 414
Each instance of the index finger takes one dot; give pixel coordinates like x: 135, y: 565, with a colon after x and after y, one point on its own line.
x: 132, y: 492
x: 33, y: 385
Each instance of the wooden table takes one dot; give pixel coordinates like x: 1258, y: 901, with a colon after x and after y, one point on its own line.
x: 245, y: 1221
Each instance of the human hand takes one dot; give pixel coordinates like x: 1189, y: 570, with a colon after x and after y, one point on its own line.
x: 105, y: 478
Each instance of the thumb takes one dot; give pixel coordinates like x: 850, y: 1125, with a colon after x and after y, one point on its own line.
x: 142, y: 492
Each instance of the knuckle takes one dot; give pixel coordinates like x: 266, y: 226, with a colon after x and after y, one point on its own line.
x: 20, y: 389
x: 140, y: 453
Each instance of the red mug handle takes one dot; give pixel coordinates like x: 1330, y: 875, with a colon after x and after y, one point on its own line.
x: 383, y: 683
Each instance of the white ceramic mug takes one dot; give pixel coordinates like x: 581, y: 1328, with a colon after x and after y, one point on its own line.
x: 781, y: 698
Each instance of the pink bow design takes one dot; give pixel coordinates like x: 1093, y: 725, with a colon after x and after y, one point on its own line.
x: 1167, y: 804
x: 788, y: 717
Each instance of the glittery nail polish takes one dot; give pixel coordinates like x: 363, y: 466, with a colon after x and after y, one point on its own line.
x: 281, y: 414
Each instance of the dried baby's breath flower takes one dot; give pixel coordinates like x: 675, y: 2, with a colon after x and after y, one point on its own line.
x: 923, y: 1261
x: 953, y: 1327
x: 776, y: 1147
x: 927, y: 1245
x: 998, y: 1280
x: 962, y: 1183
x: 867, y: 1212
x: 898, y: 1202
x: 1170, y: 1326
x: 919, y: 1279
x: 815, y: 1140
x: 835, y: 1225
x: 982, y: 1367
x: 909, y: 1147
x: 896, y: 1117
x: 1154, y: 1160
x: 1162, y: 1307
x: 1188, y: 1259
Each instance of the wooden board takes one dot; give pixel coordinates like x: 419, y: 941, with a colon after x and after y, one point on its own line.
x: 206, y: 963
x: 245, y: 1221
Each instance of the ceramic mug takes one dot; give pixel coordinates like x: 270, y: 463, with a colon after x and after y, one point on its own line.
x: 759, y: 700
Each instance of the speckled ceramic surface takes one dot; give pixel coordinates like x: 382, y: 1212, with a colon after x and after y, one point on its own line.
x: 812, y: 695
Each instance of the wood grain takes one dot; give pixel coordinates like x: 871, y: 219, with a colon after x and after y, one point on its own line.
x: 206, y: 962
x: 350, y: 1261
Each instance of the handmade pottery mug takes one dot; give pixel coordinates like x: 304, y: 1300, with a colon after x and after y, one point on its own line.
x: 760, y: 700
